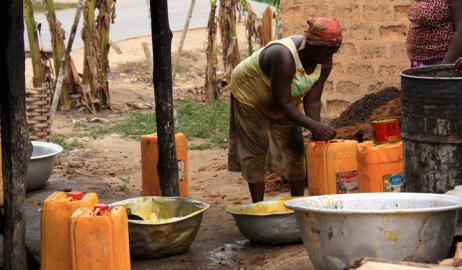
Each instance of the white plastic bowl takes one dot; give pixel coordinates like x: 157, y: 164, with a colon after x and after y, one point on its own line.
x: 41, y: 164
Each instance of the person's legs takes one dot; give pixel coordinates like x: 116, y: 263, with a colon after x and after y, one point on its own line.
x: 288, y: 155
x: 248, y: 146
x: 297, y: 188
x: 257, y: 191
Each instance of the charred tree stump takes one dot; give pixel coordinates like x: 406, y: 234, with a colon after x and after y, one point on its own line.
x: 16, y: 148
x: 162, y: 76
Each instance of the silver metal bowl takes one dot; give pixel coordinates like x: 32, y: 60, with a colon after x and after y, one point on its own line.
x: 277, y: 228
x: 177, y: 222
x: 338, y: 230
x: 41, y: 164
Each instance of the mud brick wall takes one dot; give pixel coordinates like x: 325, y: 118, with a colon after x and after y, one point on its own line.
x: 373, y: 51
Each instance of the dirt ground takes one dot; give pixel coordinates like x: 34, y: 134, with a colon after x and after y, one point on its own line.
x: 110, y: 166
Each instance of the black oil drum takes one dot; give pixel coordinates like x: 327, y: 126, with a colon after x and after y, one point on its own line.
x: 431, y: 128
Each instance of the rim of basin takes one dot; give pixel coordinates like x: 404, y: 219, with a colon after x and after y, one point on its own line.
x: 235, y: 209
x: 56, y: 149
x: 204, y: 206
x: 411, y: 72
x: 330, y: 203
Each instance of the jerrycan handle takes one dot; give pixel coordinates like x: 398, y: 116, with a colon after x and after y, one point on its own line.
x: 74, y: 195
x: 100, y: 209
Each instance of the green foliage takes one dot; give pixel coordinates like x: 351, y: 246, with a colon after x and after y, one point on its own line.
x: 59, y: 139
x: 195, y: 120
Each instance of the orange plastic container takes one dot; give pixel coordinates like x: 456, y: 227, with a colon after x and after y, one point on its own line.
x: 332, y: 167
x: 99, y: 239
x: 380, y: 167
x: 149, y: 160
x: 54, y: 228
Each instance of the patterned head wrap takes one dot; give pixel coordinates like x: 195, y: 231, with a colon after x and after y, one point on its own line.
x: 322, y: 31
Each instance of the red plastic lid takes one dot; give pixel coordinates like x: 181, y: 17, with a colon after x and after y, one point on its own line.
x: 75, y: 195
x: 102, y: 207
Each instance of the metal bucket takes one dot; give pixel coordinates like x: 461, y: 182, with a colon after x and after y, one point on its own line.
x: 41, y: 164
x: 431, y: 128
x: 171, y: 232
x: 338, y: 230
x: 266, y: 223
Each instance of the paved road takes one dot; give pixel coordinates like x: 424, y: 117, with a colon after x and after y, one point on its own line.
x: 132, y: 19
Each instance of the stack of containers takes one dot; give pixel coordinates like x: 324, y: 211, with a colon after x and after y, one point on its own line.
x: 79, y: 233
x: 54, y: 227
x: 380, y: 162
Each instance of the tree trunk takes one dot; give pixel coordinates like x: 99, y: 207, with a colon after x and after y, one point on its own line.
x: 104, y: 23
x: 87, y: 36
x: 162, y: 42
x: 16, y: 148
x: 228, y: 33
x: 106, y: 16
x: 250, y: 27
x: 211, y: 82
x: 39, y: 71
x: 185, y: 30
x: 57, y: 43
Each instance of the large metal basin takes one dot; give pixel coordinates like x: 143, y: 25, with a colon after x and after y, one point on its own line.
x: 267, y: 223
x: 337, y: 230
x: 169, y: 227
x: 41, y: 164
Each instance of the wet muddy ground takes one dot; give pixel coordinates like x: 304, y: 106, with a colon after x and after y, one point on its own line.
x: 218, y: 245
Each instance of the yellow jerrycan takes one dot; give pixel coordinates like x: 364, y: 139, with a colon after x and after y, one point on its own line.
x: 149, y: 160
x: 54, y: 227
x: 332, y: 167
x: 99, y: 238
x: 380, y: 167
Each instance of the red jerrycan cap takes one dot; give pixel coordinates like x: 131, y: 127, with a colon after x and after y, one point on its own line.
x: 102, y: 207
x: 75, y: 195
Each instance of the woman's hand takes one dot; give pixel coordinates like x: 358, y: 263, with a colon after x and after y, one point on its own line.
x: 458, y: 64
x: 322, y: 132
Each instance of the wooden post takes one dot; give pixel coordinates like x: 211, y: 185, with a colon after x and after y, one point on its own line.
x: 64, y: 60
x: 211, y: 82
x: 16, y: 148
x: 185, y: 30
x: 266, y: 33
x: 39, y: 71
x: 147, y: 54
x: 162, y: 45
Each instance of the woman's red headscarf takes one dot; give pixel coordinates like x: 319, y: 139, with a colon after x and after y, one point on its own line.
x: 322, y: 31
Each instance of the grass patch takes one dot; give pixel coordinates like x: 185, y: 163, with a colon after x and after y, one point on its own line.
x: 66, y: 144
x: 39, y: 6
x: 195, y: 120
